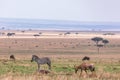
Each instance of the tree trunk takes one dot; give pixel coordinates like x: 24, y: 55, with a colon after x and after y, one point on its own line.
x: 98, y: 50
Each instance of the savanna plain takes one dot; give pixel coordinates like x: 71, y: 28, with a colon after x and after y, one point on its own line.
x: 65, y: 52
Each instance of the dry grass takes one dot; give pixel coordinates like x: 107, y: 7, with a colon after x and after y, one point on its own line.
x: 62, y: 69
x: 64, y: 53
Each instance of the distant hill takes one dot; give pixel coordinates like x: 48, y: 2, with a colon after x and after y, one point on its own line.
x: 35, y: 24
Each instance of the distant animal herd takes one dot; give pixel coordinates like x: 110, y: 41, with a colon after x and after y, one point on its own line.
x: 84, y: 66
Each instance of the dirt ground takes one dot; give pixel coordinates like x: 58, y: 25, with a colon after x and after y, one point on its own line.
x: 23, y: 48
x: 58, y: 44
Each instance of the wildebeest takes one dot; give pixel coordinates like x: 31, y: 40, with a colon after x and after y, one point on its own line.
x: 86, y: 58
x: 12, y: 57
x: 84, y: 67
x: 40, y: 61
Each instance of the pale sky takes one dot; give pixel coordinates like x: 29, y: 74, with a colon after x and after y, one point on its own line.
x: 78, y: 10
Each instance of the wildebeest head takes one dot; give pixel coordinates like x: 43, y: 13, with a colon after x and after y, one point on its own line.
x: 92, y: 68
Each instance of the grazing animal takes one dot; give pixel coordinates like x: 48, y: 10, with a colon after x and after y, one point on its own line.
x: 41, y: 61
x: 86, y: 58
x: 84, y: 67
x: 12, y: 57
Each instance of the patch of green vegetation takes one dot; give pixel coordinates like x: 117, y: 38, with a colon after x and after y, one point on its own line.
x: 63, y: 69
x: 112, y: 68
x: 62, y: 65
x: 23, y: 69
x: 3, y: 70
x: 16, y: 67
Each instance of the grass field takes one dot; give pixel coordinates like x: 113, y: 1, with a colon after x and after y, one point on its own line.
x: 62, y: 69
x: 64, y: 53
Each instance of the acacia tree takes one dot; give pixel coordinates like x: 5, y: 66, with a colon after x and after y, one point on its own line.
x: 105, y: 41
x: 97, y: 39
x: 10, y: 34
x: 36, y: 35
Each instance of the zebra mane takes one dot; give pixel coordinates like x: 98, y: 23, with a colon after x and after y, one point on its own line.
x: 35, y: 56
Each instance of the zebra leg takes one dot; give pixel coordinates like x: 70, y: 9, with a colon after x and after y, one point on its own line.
x: 38, y: 67
x: 49, y: 64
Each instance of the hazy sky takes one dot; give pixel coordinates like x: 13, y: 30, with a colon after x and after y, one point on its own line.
x: 79, y: 10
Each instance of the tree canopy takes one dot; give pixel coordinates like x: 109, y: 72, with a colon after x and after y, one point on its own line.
x: 97, y: 39
x: 105, y: 41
